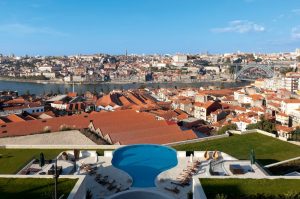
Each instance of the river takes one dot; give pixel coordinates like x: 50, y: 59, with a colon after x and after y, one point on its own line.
x: 37, y: 88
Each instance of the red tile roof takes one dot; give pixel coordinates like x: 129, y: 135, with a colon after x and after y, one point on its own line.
x: 72, y: 94
x: 105, y: 101
x: 125, y: 127
x: 1, y: 122
x: 291, y: 101
x: 284, y: 129
x: 14, y: 118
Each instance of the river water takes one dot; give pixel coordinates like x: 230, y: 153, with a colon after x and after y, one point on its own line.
x: 37, y: 88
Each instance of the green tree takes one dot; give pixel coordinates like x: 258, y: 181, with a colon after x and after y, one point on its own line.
x: 228, y: 127
x: 264, y: 125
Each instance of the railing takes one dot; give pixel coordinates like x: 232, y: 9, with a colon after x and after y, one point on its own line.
x: 282, y: 162
x: 197, y: 140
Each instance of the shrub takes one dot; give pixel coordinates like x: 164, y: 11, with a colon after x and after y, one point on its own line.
x: 221, y: 196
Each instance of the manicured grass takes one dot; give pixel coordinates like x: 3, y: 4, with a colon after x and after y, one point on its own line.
x: 250, y: 188
x: 267, y: 149
x: 34, y: 188
x: 12, y: 160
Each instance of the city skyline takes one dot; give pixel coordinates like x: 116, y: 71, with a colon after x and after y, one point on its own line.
x: 63, y: 28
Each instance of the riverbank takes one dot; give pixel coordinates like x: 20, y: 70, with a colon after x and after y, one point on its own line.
x: 41, y: 87
x: 111, y: 82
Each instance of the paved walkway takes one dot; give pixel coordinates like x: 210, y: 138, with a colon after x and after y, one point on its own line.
x: 121, y: 179
x: 73, y: 137
x: 101, y: 170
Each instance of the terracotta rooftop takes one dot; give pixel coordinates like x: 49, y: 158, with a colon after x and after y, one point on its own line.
x: 14, y: 118
x: 16, y: 101
x: 284, y: 129
x: 72, y: 94
x: 256, y: 97
x: 292, y: 101
x: 2, y: 122
x: 281, y: 114
x: 123, y: 127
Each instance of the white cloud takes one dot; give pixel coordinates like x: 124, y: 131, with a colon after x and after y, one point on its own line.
x: 296, y: 32
x: 296, y: 11
x: 17, y: 28
x: 240, y: 26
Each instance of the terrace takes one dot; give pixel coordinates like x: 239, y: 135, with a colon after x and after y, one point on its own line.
x: 104, y: 180
x: 268, y: 150
x: 250, y: 188
x: 28, y: 188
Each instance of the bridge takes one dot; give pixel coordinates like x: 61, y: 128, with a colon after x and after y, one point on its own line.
x: 253, y: 71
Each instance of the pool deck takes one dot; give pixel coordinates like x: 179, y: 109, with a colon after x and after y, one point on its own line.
x: 105, y: 168
x: 101, y: 166
x: 167, y: 178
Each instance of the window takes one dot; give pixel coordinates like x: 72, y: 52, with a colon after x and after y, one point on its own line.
x: 33, y: 111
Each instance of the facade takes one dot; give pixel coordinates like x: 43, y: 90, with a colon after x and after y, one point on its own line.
x: 202, y: 110
x: 288, y: 105
x: 179, y: 60
x: 284, y: 132
x: 282, y: 118
x: 291, y: 83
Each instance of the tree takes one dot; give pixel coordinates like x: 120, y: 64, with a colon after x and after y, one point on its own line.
x: 264, y: 125
x: 228, y: 127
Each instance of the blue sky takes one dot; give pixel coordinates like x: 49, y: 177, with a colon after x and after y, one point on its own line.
x: 64, y: 27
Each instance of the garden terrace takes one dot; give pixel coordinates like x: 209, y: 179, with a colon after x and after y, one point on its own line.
x: 28, y: 188
x: 13, y: 160
x: 267, y: 149
x: 250, y: 188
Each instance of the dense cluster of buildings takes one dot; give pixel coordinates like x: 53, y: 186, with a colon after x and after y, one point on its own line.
x: 135, y: 68
x: 151, y: 115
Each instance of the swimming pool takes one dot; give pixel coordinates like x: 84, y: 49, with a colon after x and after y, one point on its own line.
x: 144, y: 162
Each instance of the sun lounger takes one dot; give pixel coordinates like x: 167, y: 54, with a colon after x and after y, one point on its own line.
x: 182, y: 184
x: 174, y: 190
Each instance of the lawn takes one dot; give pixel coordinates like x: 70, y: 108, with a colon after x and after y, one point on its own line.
x: 267, y: 149
x: 250, y: 188
x: 13, y: 160
x: 34, y: 188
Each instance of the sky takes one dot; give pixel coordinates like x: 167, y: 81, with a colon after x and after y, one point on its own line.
x: 67, y: 27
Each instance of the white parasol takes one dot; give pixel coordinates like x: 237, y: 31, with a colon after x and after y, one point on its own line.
x: 191, y: 158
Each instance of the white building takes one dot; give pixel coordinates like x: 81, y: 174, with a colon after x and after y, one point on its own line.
x: 297, y: 51
x: 291, y: 83
x: 288, y: 105
x: 179, y: 60
x: 49, y: 75
x: 45, y: 68
x: 272, y: 84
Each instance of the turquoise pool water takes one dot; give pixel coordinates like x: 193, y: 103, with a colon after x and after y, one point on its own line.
x: 144, y: 162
